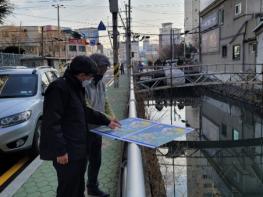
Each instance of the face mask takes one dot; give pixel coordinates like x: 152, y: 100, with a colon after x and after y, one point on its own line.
x: 97, y: 78
x: 86, y: 82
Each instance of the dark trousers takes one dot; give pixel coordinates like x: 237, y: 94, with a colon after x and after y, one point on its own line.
x: 122, y: 71
x: 94, y: 160
x: 71, y: 178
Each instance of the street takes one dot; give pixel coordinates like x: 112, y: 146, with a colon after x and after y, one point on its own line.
x: 193, y: 68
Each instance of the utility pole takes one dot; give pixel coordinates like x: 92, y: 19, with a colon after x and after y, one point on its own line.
x: 58, y: 6
x: 128, y: 34
x: 114, y: 10
x: 200, y: 40
x: 172, y: 44
x: 42, y: 42
x: 19, y: 39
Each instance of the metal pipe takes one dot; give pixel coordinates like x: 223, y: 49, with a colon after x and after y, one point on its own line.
x: 134, y: 179
x: 124, y: 183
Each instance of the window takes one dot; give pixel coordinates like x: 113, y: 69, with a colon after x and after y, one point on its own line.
x: 223, y: 130
x: 51, y: 76
x: 224, y: 51
x: 235, y: 134
x: 236, y: 52
x: 18, y: 85
x: 5, y: 34
x: 238, y: 9
x: 82, y: 48
x: 252, y: 48
x: 72, y: 48
x: 221, y: 17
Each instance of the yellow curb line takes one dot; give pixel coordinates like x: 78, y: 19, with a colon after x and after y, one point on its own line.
x: 8, y: 174
x: 110, y: 83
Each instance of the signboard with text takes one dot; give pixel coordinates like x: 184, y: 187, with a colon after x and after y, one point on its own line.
x: 209, y: 21
x: 77, y: 41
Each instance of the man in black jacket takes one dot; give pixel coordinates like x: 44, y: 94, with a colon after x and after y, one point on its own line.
x: 64, y: 130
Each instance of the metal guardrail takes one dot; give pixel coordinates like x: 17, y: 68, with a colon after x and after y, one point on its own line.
x: 133, y: 184
x: 198, y: 75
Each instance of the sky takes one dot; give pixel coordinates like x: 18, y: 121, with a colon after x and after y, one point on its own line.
x: 204, y: 3
x: 147, y: 15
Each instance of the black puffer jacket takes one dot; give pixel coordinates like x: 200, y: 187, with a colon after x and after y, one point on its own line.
x: 65, y: 117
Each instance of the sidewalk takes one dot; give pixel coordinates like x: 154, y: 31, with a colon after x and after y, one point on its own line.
x: 43, y: 182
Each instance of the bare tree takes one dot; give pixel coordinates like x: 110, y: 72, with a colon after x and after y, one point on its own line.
x: 5, y: 9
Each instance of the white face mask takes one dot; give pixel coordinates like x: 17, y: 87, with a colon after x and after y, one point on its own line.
x: 86, y: 82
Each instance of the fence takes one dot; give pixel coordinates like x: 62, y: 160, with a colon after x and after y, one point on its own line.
x: 11, y: 59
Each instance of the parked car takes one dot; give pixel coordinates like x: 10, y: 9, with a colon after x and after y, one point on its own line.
x: 21, y: 106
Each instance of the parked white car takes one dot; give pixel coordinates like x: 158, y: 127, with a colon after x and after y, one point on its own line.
x: 21, y: 106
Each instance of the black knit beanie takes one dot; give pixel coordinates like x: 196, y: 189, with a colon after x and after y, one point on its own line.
x: 83, y: 64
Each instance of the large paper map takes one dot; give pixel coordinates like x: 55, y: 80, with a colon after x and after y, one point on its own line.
x: 143, y: 132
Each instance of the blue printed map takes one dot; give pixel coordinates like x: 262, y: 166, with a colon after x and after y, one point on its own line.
x: 143, y: 132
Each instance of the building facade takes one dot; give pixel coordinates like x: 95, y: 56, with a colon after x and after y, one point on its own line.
x: 259, y: 55
x: 227, y: 35
x: 191, y: 21
x: 150, y: 50
x: 166, y: 33
x: 91, y: 34
x: 135, y: 52
x: 47, y: 41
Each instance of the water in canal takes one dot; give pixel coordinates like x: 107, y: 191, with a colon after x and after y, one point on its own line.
x: 234, y: 170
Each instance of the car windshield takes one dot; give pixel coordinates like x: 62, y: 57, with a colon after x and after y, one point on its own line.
x: 18, y: 85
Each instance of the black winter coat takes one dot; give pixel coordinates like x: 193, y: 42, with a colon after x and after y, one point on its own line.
x: 65, y: 117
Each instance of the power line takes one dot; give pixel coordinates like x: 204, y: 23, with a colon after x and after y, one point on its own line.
x: 51, y: 18
x: 164, y: 5
x: 163, y: 13
x: 66, y: 5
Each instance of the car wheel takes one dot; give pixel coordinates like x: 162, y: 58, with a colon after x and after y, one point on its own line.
x: 36, y: 140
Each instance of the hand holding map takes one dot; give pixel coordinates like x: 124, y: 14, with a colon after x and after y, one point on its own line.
x: 114, y: 123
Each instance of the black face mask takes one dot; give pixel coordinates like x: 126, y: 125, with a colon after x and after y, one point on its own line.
x: 97, y: 78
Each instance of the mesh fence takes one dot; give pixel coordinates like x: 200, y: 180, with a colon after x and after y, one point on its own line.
x: 10, y: 59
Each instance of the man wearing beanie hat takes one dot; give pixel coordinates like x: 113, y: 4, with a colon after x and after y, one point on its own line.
x: 63, y: 138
